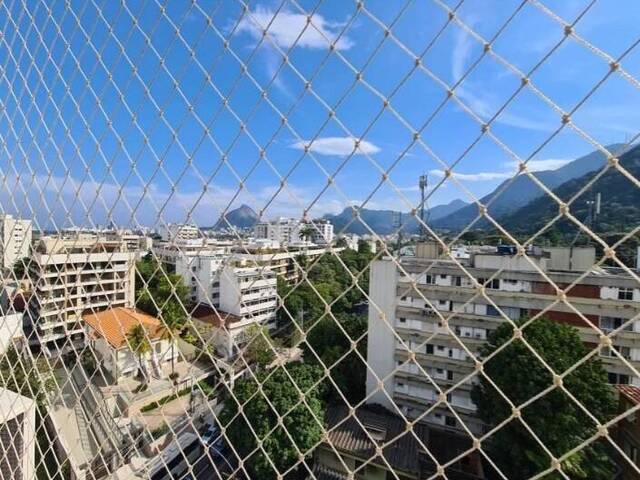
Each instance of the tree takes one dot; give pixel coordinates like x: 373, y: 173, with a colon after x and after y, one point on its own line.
x: 557, y: 421
x: 159, y: 292
x: 140, y: 345
x: 301, y: 427
x: 260, y: 345
x: 27, y: 376
x: 306, y: 232
x: 328, y: 342
x: 173, y: 324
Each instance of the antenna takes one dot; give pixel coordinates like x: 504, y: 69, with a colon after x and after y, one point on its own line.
x: 422, y: 184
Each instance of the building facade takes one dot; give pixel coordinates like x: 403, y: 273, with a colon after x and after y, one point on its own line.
x: 72, y: 277
x: 174, y: 232
x: 431, y: 290
x: 108, y: 331
x: 17, y: 436
x: 15, y: 235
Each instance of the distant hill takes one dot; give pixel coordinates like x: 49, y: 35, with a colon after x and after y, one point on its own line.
x: 242, y: 217
x: 512, y: 196
x: 381, y: 221
x: 620, y: 206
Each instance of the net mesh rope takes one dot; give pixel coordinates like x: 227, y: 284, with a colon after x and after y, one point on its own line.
x: 111, y: 112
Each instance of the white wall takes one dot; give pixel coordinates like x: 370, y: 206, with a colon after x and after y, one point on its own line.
x: 381, y: 342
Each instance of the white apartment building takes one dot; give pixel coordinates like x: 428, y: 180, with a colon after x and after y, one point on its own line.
x: 135, y: 242
x: 249, y: 293
x: 248, y: 296
x: 282, y: 230
x: 17, y: 436
x: 15, y: 235
x: 72, y: 277
x: 609, y: 299
x: 321, y: 231
x: 174, y: 232
x: 290, y: 231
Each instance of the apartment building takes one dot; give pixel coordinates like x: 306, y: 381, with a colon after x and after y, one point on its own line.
x: 248, y: 296
x: 284, y: 261
x: 321, y: 231
x: 136, y: 242
x: 15, y: 237
x: 282, y: 230
x: 608, y: 298
x: 250, y: 293
x: 72, y: 277
x: 17, y: 436
x: 174, y: 232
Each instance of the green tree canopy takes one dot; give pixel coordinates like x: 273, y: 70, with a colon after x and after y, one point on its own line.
x: 557, y: 421
x: 160, y: 293
x: 331, y: 343
x: 260, y: 345
x: 301, y: 427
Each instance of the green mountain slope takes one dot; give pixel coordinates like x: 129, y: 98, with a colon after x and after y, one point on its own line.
x: 511, y: 195
x: 620, y: 202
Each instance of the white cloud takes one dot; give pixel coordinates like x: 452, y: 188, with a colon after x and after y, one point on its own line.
x: 480, y: 100
x: 474, y: 177
x: 538, y: 165
x: 285, y: 27
x: 338, y: 146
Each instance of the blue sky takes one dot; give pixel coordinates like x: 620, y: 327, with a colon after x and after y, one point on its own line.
x: 87, y: 93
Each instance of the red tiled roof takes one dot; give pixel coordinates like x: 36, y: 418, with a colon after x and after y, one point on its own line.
x: 631, y: 392
x: 114, y: 324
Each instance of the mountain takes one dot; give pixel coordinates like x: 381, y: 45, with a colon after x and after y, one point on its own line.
x: 242, y: 217
x: 381, y: 221
x: 620, y: 202
x: 511, y: 195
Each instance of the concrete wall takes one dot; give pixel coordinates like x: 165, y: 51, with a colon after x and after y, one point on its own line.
x: 381, y: 342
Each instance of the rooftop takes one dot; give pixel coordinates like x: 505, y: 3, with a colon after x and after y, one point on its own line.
x: 403, y: 452
x: 114, y: 324
x: 216, y: 317
x: 631, y: 392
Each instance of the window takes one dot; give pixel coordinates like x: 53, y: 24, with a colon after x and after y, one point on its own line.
x: 613, y: 323
x: 493, y: 284
x: 449, y: 375
x: 450, y: 421
x: 429, y: 349
x: 402, y: 320
x: 618, y: 379
x: 625, y: 352
x: 492, y: 311
x: 457, y: 281
x: 625, y: 293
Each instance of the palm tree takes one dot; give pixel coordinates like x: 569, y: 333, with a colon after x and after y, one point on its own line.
x: 306, y: 232
x: 173, y: 320
x: 139, y: 344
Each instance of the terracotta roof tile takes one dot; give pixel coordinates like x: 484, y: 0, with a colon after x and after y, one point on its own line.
x: 114, y: 324
x: 631, y: 392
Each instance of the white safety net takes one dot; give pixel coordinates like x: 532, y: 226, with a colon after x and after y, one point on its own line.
x: 319, y: 239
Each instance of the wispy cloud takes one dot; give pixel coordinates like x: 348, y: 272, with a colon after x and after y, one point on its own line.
x: 337, y: 146
x: 538, y: 165
x: 481, y: 100
x: 287, y: 27
x: 474, y: 177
